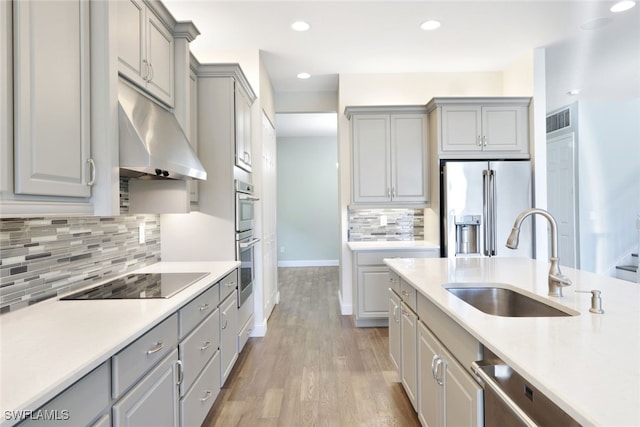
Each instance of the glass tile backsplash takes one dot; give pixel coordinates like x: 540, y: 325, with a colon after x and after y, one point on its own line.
x: 43, y: 257
x: 386, y: 224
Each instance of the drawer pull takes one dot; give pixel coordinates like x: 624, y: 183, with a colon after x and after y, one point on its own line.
x: 204, y: 307
x: 159, y: 345
x: 226, y: 321
x: 405, y: 293
x: 180, y: 372
x: 230, y: 284
x: 205, y: 345
x: 206, y: 397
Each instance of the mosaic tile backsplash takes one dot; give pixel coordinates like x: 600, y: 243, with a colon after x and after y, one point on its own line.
x: 41, y: 258
x: 401, y: 224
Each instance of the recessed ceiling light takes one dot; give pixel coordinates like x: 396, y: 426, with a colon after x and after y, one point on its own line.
x: 304, y: 76
x: 621, y: 6
x: 430, y: 25
x: 300, y: 26
x: 596, y: 24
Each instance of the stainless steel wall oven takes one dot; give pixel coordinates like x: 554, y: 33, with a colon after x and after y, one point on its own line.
x: 245, y: 240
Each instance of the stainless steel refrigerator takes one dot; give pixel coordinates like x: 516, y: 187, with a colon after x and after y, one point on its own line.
x: 479, y: 203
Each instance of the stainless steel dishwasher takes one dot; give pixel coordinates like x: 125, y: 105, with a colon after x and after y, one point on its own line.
x: 509, y: 400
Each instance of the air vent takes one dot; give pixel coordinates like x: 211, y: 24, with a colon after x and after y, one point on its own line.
x: 559, y: 120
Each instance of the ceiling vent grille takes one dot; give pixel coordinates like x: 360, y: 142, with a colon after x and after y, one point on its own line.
x: 559, y: 120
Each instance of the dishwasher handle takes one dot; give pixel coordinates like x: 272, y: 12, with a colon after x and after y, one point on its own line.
x: 486, y: 381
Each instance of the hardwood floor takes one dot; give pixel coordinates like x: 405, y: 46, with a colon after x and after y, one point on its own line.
x: 314, y: 368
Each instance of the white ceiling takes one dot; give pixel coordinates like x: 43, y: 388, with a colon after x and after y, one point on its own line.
x: 355, y: 36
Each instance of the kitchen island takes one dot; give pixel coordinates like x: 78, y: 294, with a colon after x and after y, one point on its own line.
x: 49, y: 346
x: 586, y: 363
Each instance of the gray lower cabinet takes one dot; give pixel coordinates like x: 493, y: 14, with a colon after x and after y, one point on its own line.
x: 432, y: 351
x: 72, y: 405
x: 371, y: 283
x: 195, y: 405
x: 448, y: 395
x: 228, y: 335
x: 154, y: 400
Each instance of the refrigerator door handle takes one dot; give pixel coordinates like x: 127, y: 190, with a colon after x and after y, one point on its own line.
x: 485, y: 212
x: 494, y: 213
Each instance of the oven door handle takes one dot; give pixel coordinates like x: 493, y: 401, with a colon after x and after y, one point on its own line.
x: 248, y: 244
x: 248, y: 197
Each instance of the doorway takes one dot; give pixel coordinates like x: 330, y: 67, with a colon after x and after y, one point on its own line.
x: 562, y: 195
x: 307, y: 189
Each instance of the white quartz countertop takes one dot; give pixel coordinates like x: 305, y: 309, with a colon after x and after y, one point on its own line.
x: 47, y: 347
x: 401, y: 245
x: 588, y: 364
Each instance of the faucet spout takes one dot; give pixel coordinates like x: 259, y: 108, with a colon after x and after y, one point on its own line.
x: 556, y: 279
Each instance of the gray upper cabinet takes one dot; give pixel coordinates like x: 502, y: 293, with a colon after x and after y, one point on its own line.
x: 243, y: 128
x: 145, y: 50
x: 480, y: 127
x: 51, y: 98
x: 389, y: 155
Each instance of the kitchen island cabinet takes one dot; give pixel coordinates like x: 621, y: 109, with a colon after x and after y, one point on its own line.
x: 116, y: 334
x: 560, y: 366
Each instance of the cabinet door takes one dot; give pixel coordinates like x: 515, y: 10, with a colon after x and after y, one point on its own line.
x: 153, y: 401
x: 461, y: 128
x: 504, y: 129
x: 409, y: 371
x: 429, y: 391
x: 131, y: 41
x: 463, y: 396
x: 409, y: 158
x: 228, y: 335
x: 51, y: 99
x: 243, y: 129
x: 373, y: 283
x: 395, y: 344
x: 160, y: 56
x: 371, y: 158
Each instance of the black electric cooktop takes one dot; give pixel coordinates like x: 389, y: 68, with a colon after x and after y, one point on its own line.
x: 139, y: 286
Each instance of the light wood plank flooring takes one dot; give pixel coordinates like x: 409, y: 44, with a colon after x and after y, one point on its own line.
x: 314, y: 368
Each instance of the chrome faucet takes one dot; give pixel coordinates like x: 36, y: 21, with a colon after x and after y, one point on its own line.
x: 556, y: 279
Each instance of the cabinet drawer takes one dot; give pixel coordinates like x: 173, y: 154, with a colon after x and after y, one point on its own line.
x: 228, y: 284
x: 140, y: 356
x: 195, y: 406
x: 408, y: 294
x: 80, y: 403
x: 197, y: 349
x: 394, y: 281
x: 197, y: 310
x: 464, y: 347
x: 377, y: 257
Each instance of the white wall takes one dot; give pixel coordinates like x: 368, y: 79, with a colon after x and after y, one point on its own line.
x: 308, y: 229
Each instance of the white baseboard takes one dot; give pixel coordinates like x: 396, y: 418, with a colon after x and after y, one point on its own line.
x: 259, y: 329
x: 310, y: 263
x: 345, y: 309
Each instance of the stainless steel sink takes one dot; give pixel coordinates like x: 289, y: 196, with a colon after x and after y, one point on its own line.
x: 499, y: 301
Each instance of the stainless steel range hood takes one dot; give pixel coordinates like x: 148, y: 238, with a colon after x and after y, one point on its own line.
x: 152, y: 143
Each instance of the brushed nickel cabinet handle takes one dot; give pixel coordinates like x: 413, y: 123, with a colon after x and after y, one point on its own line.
x: 205, y: 345
x: 156, y: 348
x: 92, y: 165
x: 180, y: 371
x: 204, y: 307
x: 206, y: 397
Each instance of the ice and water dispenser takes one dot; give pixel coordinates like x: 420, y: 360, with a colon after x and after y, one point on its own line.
x: 467, y: 234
